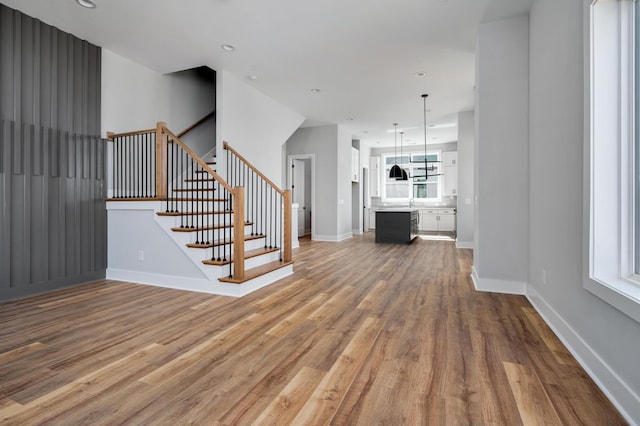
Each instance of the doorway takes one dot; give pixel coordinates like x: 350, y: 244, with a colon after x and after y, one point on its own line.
x: 301, y: 183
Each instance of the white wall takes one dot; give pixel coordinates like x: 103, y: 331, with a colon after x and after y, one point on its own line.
x: 466, y: 192
x: 135, y: 97
x: 254, y: 125
x: 132, y: 97
x: 321, y: 142
x: 501, y: 216
x: 343, y: 189
x: 606, y: 341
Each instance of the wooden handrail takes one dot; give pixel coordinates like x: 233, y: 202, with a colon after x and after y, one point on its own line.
x: 161, y: 160
x: 252, y: 167
x: 199, y: 160
x: 112, y: 136
x: 197, y: 123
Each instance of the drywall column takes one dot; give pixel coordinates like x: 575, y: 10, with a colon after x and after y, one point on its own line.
x: 501, y: 144
x: 466, y: 194
x: 603, y: 339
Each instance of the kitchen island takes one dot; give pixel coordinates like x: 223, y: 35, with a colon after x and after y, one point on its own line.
x: 399, y: 225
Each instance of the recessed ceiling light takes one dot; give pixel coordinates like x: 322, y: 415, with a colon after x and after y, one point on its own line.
x: 89, y: 4
x: 228, y: 47
x: 349, y: 118
x: 252, y: 77
x: 420, y: 74
x: 366, y: 131
x: 315, y: 91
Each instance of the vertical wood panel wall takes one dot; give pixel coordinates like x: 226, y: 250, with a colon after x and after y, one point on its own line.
x: 52, y: 188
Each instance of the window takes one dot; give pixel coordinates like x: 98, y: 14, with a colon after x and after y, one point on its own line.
x: 637, y: 138
x: 418, y: 187
x: 614, y: 164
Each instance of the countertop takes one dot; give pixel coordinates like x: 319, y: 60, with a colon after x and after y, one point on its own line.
x: 397, y: 209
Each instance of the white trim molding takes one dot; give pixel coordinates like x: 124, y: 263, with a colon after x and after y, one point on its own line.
x: 609, y: 116
x: 492, y: 285
x: 611, y: 384
x: 464, y: 244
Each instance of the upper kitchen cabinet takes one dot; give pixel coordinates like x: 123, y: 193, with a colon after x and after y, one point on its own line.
x: 374, y: 176
x: 450, y: 171
x: 355, y: 165
x: 450, y: 159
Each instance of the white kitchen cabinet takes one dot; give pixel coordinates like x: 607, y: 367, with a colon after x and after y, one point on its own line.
x: 428, y: 220
x: 447, y: 221
x: 450, y: 181
x: 372, y: 219
x: 450, y: 171
x: 374, y: 176
x: 434, y: 220
x: 355, y: 165
x: 450, y: 159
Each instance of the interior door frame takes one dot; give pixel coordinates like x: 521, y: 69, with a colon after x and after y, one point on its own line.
x: 312, y: 157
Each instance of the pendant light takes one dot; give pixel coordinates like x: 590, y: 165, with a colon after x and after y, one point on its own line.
x: 428, y: 165
x: 396, y: 171
x: 404, y: 172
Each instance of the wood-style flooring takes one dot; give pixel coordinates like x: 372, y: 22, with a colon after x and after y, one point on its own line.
x: 361, y: 334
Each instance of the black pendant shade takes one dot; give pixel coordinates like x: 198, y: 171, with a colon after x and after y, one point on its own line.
x: 396, y: 172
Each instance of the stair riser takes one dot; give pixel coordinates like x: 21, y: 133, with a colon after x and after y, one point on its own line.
x: 207, y: 253
x: 197, y: 205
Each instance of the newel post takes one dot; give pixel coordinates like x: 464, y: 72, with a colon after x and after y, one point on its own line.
x: 238, y: 233
x: 286, y: 199
x: 161, y: 160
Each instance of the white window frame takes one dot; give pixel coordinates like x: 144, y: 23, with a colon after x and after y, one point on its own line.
x: 410, y: 154
x: 610, y: 117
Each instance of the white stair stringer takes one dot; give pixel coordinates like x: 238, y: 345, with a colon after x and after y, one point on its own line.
x: 135, y: 231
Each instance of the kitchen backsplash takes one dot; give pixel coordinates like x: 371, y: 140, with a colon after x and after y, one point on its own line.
x: 376, y: 202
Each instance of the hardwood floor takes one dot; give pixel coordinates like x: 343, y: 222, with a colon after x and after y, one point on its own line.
x: 361, y: 334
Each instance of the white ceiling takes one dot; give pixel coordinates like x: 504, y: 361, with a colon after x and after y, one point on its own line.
x: 361, y: 54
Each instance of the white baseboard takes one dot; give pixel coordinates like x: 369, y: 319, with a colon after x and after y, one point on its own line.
x: 464, y: 244
x: 197, y: 284
x: 618, y: 392
x: 333, y: 238
x: 497, y: 286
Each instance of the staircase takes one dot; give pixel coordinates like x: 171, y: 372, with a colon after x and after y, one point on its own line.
x: 235, y: 231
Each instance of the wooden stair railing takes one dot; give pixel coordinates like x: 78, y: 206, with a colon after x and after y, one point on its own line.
x: 268, y: 206
x: 155, y: 164
x: 197, y: 123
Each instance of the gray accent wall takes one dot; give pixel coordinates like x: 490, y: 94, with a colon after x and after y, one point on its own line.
x: 52, y: 211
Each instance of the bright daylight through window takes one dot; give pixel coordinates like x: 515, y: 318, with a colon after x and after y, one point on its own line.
x: 417, y: 186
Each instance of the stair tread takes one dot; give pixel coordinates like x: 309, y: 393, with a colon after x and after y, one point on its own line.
x: 256, y: 272
x: 206, y: 200
x: 207, y: 228
x: 194, y: 189
x: 223, y: 242
x: 193, y: 213
x: 248, y: 254
x: 200, y: 180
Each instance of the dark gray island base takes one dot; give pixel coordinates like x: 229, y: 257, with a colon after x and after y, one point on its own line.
x: 398, y: 226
